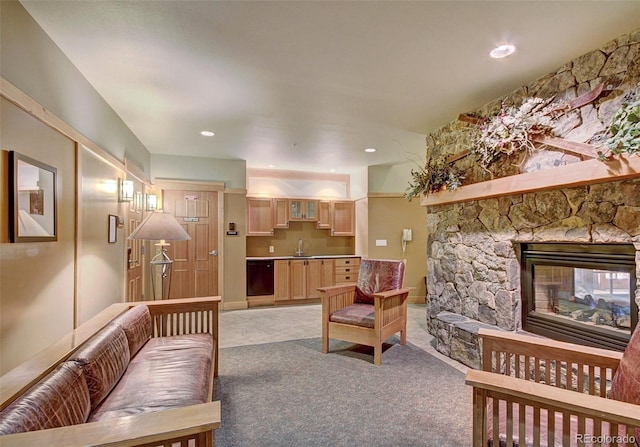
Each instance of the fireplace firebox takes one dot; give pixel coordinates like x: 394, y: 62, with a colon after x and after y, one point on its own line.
x: 581, y: 293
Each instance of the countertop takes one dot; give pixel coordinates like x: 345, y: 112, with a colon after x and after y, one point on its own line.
x: 266, y: 258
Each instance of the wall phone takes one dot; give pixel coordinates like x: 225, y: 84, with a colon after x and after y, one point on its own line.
x: 407, y: 235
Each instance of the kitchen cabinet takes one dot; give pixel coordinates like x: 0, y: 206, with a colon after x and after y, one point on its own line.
x: 346, y: 270
x: 280, y: 213
x: 324, y: 214
x: 259, y: 216
x: 343, y: 216
x: 303, y: 209
x: 299, y: 279
x: 282, y: 281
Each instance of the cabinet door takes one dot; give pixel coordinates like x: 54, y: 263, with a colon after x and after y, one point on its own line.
x: 298, y: 279
x: 282, y: 280
x: 280, y: 213
x: 324, y: 214
x: 259, y: 217
x: 314, y: 278
x: 343, y: 218
x: 328, y: 273
x: 311, y: 210
x: 303, y: 209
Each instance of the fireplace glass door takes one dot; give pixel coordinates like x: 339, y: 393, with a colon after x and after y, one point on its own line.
x: 580, y: 293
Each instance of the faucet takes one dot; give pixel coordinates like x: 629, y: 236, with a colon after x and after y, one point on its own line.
x: 300, y: 250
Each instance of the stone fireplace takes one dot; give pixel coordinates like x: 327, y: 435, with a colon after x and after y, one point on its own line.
x: 475, y: 275
x: 474, y: 254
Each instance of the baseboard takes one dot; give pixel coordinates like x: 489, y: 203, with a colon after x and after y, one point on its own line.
x: 416, y: 299
x: 234, y: 305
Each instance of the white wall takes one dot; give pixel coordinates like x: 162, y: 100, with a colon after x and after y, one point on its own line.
x: 231, y: 172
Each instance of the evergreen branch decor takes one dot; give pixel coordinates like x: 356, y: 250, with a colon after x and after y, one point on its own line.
x: 624, y: 130
x: 436, y: 175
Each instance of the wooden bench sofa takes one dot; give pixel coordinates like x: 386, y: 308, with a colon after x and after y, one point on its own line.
x: 137, y: 374
x: 533, y: 391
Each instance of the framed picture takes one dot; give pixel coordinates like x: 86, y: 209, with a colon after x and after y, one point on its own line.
x: 113, y: 229
x: 32, y: 200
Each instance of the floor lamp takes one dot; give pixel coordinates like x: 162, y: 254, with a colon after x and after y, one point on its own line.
x: 163, y: 227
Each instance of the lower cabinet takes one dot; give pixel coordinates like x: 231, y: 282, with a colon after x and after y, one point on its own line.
x: 299, y: 279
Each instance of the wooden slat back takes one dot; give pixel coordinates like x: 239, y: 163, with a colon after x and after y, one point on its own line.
x: 547, y: 361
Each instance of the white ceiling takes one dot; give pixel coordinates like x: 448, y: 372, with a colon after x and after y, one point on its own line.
x: 308, y: 85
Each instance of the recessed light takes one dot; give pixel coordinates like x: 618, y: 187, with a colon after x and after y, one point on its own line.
x: 370, y: 149
x: 502, y: 51
x: 207, y: 133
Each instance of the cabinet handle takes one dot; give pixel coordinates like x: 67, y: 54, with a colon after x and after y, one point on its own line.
x: 347, y: 262
x: 347, y: 277
x: 347, y: 270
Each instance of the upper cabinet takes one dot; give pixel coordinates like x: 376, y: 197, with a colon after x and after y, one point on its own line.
x: 265, y: 214
x: 343, y: 217
x: 280, y: 213
x: 303, y: 209
x: 259, y: 216
x: 324, y: 214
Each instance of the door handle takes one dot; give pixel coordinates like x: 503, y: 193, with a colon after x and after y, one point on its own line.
x: 213, y: 252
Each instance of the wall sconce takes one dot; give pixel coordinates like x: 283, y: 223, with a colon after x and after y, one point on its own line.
x: 151, y: 202
x: 125, y: 188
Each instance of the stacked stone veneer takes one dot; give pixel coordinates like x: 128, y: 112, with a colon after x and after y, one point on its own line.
x: 473, y: 274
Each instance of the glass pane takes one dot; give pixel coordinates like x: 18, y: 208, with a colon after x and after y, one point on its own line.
x: 590, y: 296
x: 311, y: 210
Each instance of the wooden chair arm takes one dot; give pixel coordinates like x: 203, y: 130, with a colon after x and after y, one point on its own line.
x: 128, y: 431
x: 528, y: 393
x: 391, y: 293
x: 544, y: 348
x: 181, y: 303
x: 336, y: 290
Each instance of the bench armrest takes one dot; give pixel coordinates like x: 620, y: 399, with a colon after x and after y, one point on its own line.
x: 494, y: 341
x: 489, y: 386
x: 127, y: 431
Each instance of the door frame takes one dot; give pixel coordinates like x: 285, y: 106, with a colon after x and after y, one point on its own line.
x: 218, y: 187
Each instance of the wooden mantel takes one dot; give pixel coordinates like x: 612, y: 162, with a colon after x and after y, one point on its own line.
x: 576, y: 174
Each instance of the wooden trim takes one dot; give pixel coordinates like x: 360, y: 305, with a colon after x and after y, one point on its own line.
x: 235, y: 191
x: 142, y: 429
x: 35, y: 109
x: 385, y: 195
x: 188, y: 185
x: 135, y: 171
x: 576, y: 174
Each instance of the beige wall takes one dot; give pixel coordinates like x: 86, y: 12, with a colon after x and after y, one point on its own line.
x: 316, y: 242
x: 37, y: 290
x: 387, y: 217
x: 100, y: 264
x: 233, y: 293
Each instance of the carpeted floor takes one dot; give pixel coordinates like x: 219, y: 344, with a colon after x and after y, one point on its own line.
x: 290, y: 394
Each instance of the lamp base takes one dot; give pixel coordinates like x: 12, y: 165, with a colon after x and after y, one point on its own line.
x: 162, y: 262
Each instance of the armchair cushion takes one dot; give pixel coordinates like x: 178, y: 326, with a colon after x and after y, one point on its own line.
x: 356, y: 314
x: 378, y: 276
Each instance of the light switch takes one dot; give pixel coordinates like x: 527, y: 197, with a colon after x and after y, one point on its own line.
x: 270, y: 248
x: 381, y: 242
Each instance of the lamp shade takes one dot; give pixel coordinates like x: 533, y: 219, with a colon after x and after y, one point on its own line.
x: 160, y: 226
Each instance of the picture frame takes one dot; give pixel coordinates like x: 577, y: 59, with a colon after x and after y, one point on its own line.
x: 33, y: 204
x: 112, y: 236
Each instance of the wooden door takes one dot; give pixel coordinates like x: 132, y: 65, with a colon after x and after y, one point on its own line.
x: 259, y: 217
x: 328, y: 273
x: 195, y: 262
x: 133, y: 218
x: 298, y: 279
x: 313, y: 278
x: 282, y: 282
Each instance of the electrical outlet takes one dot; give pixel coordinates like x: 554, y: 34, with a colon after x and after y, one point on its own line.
x: 381, y: 242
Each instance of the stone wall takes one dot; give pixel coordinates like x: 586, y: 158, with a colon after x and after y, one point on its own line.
x: 473, y: 271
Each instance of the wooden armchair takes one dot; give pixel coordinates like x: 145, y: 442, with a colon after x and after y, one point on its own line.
x: 369, y: 311
x: 553, y: 393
